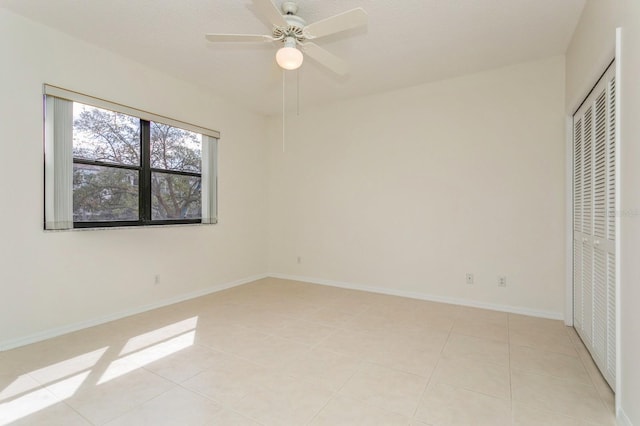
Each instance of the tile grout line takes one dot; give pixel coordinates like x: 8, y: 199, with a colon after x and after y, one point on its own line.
x: 334, y: 394
x: 223, y: 406
x: 144, y: 402
x: 426, y: 386
x: 337, y: 391
x: 580, y: 345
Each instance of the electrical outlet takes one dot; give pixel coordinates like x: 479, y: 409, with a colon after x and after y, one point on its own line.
x: 299, y: 260
x: 502, y: 281
x: 469, y: 278
x: 156, y: 279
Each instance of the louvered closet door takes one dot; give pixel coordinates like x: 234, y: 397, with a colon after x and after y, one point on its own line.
x: 594, y: 233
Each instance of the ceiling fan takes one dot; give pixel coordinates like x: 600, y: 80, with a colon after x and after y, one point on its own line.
x: 293, y: 32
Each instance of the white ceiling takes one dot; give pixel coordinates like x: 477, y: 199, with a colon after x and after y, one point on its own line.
x: 407, y: 42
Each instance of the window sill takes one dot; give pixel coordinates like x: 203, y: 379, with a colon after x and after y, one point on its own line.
x: 104, y: 228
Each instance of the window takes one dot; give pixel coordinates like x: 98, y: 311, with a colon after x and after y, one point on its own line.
x: 110, y: 165
x: 113, y: 181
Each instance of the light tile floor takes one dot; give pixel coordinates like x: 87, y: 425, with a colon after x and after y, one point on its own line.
x: 278, y: 352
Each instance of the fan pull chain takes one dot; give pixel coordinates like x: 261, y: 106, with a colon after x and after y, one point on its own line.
x: 283, y: 109
x: 298, y: 92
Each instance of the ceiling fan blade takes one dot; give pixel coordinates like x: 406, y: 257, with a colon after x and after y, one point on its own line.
x: 325, y: 58
x: 271, y: 12
x: 242, y: 38
x: 344, y: 21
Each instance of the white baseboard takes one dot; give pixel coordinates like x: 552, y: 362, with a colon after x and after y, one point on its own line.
x: 622, y: 418
x: 424, y: 296
x: 58, y: 331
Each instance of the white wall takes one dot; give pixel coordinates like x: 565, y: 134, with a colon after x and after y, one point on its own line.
x: 591, y: 48
x: 57, y: 279
x: 407, y: 191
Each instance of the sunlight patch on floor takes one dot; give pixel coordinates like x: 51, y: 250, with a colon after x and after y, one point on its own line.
x: 158, y: 335
x: 146, y: 356
x: 46, y: 386
x: 40, y: 399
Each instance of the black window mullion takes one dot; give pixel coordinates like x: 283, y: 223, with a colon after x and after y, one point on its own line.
x: 145, y: 172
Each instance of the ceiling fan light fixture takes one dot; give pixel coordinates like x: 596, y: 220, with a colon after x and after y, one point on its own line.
x: 291, y: 30
x: 289, y: 57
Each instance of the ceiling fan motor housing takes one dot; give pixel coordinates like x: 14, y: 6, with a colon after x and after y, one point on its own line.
x: 295, y: 23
